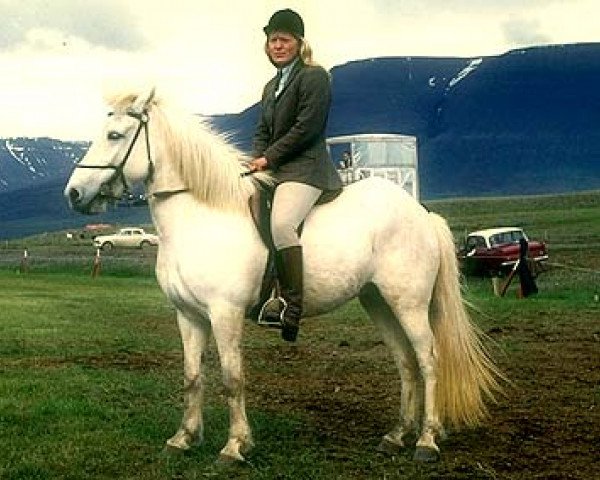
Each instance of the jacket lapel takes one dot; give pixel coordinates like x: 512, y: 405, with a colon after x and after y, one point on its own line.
x: 268, y: 104
x: 296, y: 68
x: 272, y: 87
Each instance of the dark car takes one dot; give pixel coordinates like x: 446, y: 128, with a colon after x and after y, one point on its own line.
x: 495, y: 251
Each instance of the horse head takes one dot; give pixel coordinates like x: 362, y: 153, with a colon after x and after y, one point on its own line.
x: 118, y: 158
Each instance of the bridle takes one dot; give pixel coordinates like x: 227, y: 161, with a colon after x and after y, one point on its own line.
x: 143, y: 119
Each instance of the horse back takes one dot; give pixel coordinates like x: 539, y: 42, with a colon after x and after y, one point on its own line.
x: 370, y: 207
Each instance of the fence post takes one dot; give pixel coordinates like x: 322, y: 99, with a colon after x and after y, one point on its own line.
x: 496, y: 285
x: 97, y: 264
x: 24, y: 267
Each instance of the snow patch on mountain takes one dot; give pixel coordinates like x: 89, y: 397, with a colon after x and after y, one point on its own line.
x: 29, y: 161
x: 465, y: 72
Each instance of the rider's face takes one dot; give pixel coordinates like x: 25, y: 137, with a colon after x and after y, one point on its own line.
x: 282, y: 48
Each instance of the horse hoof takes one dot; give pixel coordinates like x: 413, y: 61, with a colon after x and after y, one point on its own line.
x: 173, y: 451
x: 426, y: 455
x: 389, y: 448
x: 225, y: 459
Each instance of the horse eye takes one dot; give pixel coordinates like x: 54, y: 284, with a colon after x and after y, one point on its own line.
x: 115, y: 135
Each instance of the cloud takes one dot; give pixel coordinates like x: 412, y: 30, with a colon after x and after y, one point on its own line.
x: 43, y: 25
x: 521, y: 31
x: 58, y: 56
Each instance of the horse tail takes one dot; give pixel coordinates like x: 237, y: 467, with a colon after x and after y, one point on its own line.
x: 467, y: 377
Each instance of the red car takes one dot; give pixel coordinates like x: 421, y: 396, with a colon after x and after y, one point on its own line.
x: 494, y: 251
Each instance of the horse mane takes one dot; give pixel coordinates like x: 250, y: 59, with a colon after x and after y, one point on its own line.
x: 207, y: 162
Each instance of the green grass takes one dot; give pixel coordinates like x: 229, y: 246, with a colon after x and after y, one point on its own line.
x: 570, y: 219
x: 91, y: 381
x: 46, y: 314
x: 91, y: 386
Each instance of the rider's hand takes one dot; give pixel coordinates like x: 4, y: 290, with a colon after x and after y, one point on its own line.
x: 258, y: 164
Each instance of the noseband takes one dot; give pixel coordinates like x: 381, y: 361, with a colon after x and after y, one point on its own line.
x: 143, y: 119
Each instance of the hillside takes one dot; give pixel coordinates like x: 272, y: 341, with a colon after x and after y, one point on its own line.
x: 522, y: 123
x: 44, y: 209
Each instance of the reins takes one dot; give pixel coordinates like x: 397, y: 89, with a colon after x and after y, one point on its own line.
x: 143, y: 123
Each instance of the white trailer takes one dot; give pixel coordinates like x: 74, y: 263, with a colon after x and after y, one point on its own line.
x: 385, y: 155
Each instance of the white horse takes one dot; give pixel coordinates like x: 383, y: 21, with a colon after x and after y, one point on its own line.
x: 374, y: 242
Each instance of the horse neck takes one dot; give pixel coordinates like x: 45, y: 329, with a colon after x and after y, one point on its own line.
x: 180, y: 219
x: 174, y: 212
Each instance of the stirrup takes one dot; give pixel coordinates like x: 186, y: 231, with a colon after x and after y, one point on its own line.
x: 271, y: 313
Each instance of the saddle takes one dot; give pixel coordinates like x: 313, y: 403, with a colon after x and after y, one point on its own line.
x: 270, y: 303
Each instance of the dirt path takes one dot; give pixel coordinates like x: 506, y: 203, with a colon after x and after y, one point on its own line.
x: 548, y: 427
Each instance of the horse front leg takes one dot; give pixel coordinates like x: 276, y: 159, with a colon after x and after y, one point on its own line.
x: 194, y: 336
x: 227, y: 324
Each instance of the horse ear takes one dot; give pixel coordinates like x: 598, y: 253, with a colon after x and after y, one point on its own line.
x: 143, y: 100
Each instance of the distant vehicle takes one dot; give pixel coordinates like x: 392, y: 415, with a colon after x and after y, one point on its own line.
x: 495, y: 251
x: 133, y: 200
x: 130, y: 237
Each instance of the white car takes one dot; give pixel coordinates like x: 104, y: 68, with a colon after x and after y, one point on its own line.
x: 131, y: 237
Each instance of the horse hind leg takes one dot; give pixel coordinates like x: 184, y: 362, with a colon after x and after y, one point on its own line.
x: 393, y: 336
x: 194, y: 336
x: 414, y: 321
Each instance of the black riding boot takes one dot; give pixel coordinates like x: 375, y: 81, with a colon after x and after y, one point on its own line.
x: 288, y: 262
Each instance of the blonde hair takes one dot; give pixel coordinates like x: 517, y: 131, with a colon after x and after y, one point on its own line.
x: 305, y: 52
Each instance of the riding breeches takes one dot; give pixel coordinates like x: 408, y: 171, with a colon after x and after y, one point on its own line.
x: 291, y: 203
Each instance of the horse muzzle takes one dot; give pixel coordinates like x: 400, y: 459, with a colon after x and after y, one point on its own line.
x: 80, y: 202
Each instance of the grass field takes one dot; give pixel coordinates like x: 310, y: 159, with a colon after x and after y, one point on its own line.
x: 91, y: 383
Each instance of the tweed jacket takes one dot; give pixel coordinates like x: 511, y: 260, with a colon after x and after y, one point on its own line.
x: 291, y: 129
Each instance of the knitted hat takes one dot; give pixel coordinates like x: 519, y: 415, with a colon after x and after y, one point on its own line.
x: 285, y: 21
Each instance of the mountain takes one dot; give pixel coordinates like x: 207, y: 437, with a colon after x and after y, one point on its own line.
x: 524, y: 122
x: 28, y: 162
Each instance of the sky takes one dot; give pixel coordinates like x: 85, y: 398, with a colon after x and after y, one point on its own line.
x: 59, y: 57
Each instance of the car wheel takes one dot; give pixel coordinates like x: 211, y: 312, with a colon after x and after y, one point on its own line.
x: 107, y: 246
x: 145, y: 245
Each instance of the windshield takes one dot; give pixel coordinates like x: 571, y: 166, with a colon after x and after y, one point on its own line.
x: 383, y: 154
x: 512, y: 236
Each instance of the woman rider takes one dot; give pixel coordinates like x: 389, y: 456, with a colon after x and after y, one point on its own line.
x: 290, y: 142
